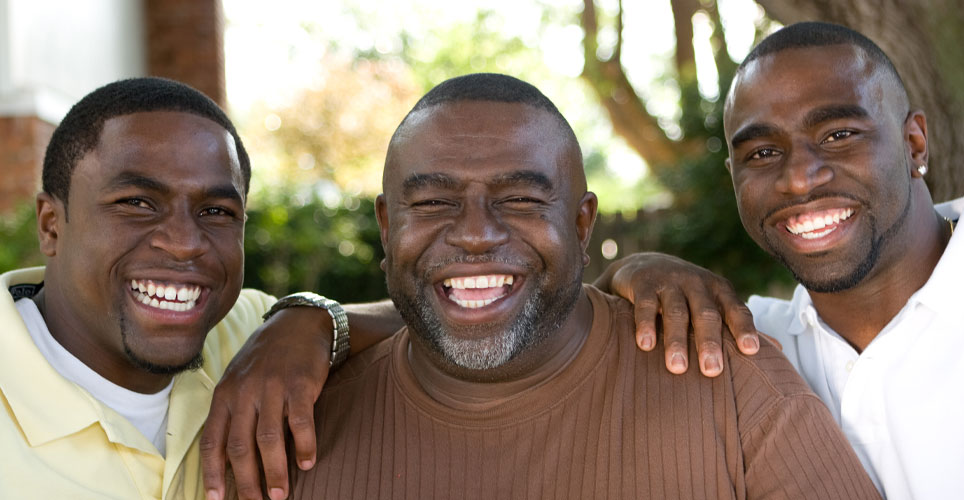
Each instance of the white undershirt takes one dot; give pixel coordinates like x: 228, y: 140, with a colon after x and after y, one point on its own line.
x: 147, y: 412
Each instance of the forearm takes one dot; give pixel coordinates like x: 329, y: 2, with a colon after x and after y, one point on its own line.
x: 371, y: 323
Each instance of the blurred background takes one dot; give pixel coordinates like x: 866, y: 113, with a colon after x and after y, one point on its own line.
x: 317, y: 88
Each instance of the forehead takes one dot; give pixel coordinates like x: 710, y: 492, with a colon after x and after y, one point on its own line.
x: 783, y: 86
x: 479, y: 138
x: 182, y: 150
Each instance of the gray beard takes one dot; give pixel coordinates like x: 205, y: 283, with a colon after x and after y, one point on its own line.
x: 541, y: 315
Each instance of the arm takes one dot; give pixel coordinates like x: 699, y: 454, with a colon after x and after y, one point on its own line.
x: 257, y: 393
x: 680, y: 294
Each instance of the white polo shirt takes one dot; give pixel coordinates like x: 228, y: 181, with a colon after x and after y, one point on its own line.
x: 901, y: 401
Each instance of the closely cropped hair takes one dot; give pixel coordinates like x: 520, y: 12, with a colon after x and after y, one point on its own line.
x: 493, y: 87
x: 817, y: 34
x: 79, y: 131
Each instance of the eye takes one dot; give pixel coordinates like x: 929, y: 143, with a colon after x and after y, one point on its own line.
x: 762, y: 153
x: 432, y: 203
x: 838, y: 135
x: 135, y: 202
x: 522, y: 200
x: 209, y: 211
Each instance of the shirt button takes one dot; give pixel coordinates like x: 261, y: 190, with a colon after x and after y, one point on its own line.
x: 849, y: 366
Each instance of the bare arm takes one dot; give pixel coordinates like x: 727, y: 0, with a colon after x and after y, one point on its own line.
x: 258, y: 392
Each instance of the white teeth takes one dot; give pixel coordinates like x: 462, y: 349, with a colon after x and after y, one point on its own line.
x: 813, y: 236
x: 169, y: 297
x: 818, y: 223
x: 478, y: 281
x: 475, y: 304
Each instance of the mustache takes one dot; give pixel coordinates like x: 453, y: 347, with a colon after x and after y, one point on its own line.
x: 435, y: 266
x: 809, y: 199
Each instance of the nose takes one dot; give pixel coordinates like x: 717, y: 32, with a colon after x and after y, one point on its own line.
x: 476, y: 230
x: 179, y: 235
x: 803, y: 171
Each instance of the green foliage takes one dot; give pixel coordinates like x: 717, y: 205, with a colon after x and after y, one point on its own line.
x: 18, y: 239
x: 294, y: 243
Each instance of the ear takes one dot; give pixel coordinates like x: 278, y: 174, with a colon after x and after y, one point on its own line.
x: 729, y: 165
x: 381, y: 215
x: 915, y: 137
x: 51, y: 213
x: 586, y: 218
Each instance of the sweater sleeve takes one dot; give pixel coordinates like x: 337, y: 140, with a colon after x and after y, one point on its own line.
x: 792, y: 446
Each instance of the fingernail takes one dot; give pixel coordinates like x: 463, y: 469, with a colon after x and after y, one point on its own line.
x: 305, y: 464
x: 212, y: 495
x: 647, y: 342
x: 751, y: 343
x: 678, y: 361
x: 276, y: 494
x: 711, y: 364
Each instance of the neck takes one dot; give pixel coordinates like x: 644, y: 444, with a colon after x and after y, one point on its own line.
x: 479, y: 391
x: 860, y: 313
x: 113, y: 366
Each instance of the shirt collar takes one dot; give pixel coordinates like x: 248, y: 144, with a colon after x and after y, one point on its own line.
x: 803, y: 315
x: 61, y: 408
x: 941, y: 291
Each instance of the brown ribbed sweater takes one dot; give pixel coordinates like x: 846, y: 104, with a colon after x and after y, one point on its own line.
x: 613, y: 424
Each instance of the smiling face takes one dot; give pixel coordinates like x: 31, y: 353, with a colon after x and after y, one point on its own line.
x: 820, y: 161
x: 485, y: 219
x: 149, y: 256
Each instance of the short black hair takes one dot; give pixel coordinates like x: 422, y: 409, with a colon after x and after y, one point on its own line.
x: 79, y: 131
x: 493, y: 87
x: 819, y: 34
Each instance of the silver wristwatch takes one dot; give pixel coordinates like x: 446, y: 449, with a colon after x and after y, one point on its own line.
x: 340, y: 344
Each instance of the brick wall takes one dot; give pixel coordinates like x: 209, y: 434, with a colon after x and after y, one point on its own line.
x: 23, y: 140
x: 185, y: 42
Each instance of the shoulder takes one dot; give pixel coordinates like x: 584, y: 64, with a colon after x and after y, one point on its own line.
x: 362, y: 366
x: 227, y: 337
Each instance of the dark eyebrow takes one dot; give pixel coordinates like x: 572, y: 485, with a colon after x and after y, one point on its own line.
x: 417, y: 181
x: 528, y: 177
x: 226, y: 191
x: 826, y: 114
x: 129, y: 179
x: 752, y: 132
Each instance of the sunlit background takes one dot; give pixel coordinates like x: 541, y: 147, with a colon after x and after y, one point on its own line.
x: 317, y: 88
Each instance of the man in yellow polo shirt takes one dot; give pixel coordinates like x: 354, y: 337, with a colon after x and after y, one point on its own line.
x: 107, y: 366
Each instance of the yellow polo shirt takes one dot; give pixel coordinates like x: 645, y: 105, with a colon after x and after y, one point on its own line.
x: 57, y: 441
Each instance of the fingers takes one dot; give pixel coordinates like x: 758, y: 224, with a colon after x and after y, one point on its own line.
x: 271, y: 443
x: 301, y: 422
x: 241, y: 452
x: 645, y: 314
x: 212, y: 451
x: 739, y: 319
x: 707, y: 333
x: 676, y: 323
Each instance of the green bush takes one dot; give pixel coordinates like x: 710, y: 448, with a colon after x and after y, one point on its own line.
x: 18, y: 239
x: 293, y: 244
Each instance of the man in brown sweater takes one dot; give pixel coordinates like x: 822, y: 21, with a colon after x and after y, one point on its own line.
x: 514, y: 380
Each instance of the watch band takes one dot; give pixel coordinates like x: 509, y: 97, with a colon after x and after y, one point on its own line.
x: 340, y: 345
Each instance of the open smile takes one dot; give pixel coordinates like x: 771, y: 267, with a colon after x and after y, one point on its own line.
x: 474, y: 292
x: 816, y: 225
x: 165, y: 296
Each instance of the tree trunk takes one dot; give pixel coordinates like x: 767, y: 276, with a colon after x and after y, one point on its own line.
x: 925, y: 40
